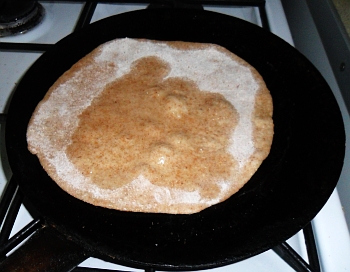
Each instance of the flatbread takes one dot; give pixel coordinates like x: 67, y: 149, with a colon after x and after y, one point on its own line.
x: 150, y: 126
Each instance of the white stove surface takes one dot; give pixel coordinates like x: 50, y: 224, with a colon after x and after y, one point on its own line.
x: 330, y: 228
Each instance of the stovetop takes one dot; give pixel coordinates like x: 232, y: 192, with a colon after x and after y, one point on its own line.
x: 301, y: 252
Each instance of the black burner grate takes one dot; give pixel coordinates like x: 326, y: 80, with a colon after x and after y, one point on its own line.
x: 12, y: 198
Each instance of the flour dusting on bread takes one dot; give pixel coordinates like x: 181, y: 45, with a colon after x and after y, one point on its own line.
x: 194, y: 119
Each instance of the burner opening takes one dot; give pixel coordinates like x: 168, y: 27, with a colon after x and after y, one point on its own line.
x: 17, y: 17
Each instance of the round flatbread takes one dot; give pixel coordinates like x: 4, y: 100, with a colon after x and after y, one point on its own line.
x: 150, y: 126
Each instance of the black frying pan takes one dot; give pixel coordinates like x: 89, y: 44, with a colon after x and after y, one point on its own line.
x: 288, y: 190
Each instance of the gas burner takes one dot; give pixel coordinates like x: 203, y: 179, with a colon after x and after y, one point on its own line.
x: 17, y: 17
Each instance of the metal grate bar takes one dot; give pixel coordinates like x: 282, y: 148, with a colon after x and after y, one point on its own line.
x: 291, y: 257
x: 86, y: 15
x: 294, y: 259
x: 20, y: 236
x: 7, y: 198
x: 263, y: 17
x: 34, y: 47
x: 311, y: 248
x: 11, y: 217
x: 9, y: 220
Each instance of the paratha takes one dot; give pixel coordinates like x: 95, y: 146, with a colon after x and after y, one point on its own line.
x: 154, y: 126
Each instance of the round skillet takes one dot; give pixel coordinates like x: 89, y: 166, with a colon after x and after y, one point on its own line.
x: 288, y: 190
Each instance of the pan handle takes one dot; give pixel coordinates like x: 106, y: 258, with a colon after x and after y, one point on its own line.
x: 45, y: 250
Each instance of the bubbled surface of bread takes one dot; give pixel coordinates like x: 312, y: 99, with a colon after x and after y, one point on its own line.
x: 148, y: 126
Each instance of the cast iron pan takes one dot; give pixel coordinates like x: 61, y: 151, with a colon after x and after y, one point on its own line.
x: 288, y: 190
